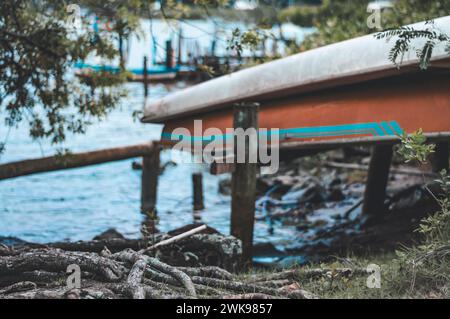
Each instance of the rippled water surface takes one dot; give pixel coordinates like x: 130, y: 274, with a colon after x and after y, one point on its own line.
x: 78, y: 204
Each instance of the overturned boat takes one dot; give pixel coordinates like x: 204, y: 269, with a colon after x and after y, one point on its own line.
x: 342, y: 93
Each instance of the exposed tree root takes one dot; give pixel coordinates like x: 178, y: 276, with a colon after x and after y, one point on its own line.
x: 250, y: 297
x: 20, y: 286
x: 134, y: 257
x: 55, y: 260
x: 213, y: 272
x: 41, y: 273
x: 135, y: 278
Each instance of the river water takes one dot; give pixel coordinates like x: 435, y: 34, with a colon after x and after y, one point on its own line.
x: 80, y: 203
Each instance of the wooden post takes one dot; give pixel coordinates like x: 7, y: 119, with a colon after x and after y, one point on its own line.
x: 377, y: 180
x: 441, y: 157
x: 145, y: 74
x: 150, y: 174
x: 121, y: 55
x: 197, y: 183
x: 169, y: 54
x: 180, y: 47
x: 244, y: 184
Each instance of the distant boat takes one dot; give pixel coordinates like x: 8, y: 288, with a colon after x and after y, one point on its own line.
x: 155, y: 73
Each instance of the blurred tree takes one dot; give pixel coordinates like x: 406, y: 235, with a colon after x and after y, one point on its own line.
x: 38, y: 46
x: 339, y: 20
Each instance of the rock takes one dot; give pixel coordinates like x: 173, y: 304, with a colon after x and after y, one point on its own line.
x: 184, y: 229
x: 292, y: 261
x: 225, y: 187
x: 203, y: 250
x: 286, y: 180
x: 136, y: 166
x: 307, y: 192
x: 416, y: 196
x: 109, y: 234
x: 12, y: 241
x: 335, y: 195
x: 266, y: 249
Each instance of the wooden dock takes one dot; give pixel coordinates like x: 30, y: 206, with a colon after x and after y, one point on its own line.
x: 156, y: 74
x: 342, y: 94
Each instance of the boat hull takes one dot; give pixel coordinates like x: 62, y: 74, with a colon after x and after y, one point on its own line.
x: 372, y: 111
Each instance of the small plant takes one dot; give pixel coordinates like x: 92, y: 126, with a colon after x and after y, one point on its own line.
x: 428, y: 265
x: 148, y: 228
x: 414, y: 147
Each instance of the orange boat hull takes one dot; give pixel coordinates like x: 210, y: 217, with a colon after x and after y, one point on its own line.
x: 372, y: 110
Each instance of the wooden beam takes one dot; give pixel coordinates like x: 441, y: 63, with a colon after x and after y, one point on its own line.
x: 360, y: 141
x: 377, y: 180
x: 221, y: 168
x: 149, y: 184
x: 227, y: 166
x: 244, y: 184
x: 54, y: 163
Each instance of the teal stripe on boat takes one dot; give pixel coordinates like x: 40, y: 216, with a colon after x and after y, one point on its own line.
x: 387, y: 128
x: 397, y: 127
x: 375, y: 129
x: 336, y: 128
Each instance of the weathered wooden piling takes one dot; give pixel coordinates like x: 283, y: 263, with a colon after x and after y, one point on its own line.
x: 149, y: 184
x: 377, y: 180
x: 169, y: 54
x: 121, y: 54
x: 244, y: 183
x: 440, y: 159
x: 145, y: 75
x: 197, y: 191
x: 180, y: 47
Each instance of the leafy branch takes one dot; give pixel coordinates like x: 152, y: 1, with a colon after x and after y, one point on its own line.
x: 406, y: 35
x: 414, y: 147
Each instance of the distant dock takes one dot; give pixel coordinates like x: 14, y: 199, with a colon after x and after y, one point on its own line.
x: 158, y: 73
